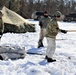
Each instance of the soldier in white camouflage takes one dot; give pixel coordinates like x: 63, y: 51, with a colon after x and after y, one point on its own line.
x: 1, y: 24
x: 51, y: 32
x: 43, y: 24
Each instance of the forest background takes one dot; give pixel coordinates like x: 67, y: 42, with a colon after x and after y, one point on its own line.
x: 26, y: 7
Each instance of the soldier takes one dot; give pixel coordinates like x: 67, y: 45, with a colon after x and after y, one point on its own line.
x: 43, y: 24
x: 1, y: 24
x: 51, y: 32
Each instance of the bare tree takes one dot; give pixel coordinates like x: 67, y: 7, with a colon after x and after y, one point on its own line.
x: 3, y: 3
x: 26, y: 7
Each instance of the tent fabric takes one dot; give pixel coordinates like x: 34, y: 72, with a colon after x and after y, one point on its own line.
x: 14, y: 20
x: 12, y: 52
x: 12, y: 17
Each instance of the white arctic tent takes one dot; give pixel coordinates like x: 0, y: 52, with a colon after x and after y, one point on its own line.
x: 14, y: 21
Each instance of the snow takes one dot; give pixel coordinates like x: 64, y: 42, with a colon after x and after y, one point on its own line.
x: 32, y: 64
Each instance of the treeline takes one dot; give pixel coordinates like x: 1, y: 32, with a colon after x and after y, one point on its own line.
x: 26, y: 7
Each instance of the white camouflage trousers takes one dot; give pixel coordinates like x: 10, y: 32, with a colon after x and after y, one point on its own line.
x: 42, y: 33
x: 51, y: 47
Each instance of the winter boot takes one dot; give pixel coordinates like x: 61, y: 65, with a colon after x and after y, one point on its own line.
x: 46, y: 57
x: 50, y: 59
x: 1, y: 58
x: 40, y: 44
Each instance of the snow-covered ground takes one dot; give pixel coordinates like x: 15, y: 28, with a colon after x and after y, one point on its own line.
x: 65, y: 53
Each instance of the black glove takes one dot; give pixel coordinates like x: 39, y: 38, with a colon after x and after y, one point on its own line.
x: 40, y: 24
x: 57, y: 28
x: 1, y: 33
x: 64, y: 31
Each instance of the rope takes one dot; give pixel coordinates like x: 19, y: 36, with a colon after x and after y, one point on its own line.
x: 71, y: 30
